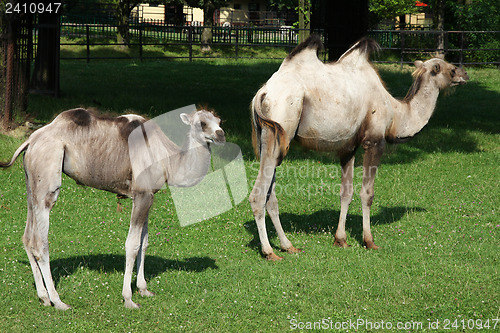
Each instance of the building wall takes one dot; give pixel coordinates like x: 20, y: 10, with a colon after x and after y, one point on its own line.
x: 244, y: 12
x: 420, y: 19
x: 150, y: 12
x: 237, y: 12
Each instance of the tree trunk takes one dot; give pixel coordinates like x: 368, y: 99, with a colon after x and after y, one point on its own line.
x: 45, y: 77
x: 179, y: 15
x: 7, y: 114
x: 208, y: 22
x: 123, y: 35
x: 402, y: 22
x: 347, y: 23
x: 439, y: 9
x: 304, y: 19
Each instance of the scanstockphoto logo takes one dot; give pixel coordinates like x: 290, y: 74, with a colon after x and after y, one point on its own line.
x: 181, y: 150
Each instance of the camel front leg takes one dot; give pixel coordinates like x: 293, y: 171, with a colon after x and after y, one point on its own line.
x: 371, y: 160
x: 346, y: 193
x: 141, y: 205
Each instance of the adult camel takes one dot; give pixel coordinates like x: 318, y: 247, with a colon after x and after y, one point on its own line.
x: 336, y: 107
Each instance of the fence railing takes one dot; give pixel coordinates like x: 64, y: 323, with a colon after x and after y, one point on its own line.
x: 398, y: 46
x: 185, y: 38
x: 460, y: 47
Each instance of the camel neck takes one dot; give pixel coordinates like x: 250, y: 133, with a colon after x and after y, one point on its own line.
x: 414, y: 113
x: 194, y: 162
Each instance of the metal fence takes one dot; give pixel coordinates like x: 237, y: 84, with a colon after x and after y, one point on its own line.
x: 460, y: 47
x: 398, y: 46
x: 185, y: 39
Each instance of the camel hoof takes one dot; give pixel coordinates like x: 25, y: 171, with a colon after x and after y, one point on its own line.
x: 129, y: 304
x: 46, y: 301
x: 292, y: 249
x: 273, y: 257
x: 62, y: 306
x: 371, y: 245
x: 341, y: 243
x: 146, y: 292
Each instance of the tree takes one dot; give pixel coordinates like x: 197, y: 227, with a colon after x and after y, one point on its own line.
x: 304, y: 11
x: 472, y: 15
x: 209, y: 7
x: 476, y: 15
x: 348, y: 22
x: 390, y: 9
x: 280, y: 5
x: 15, y: 60
x: 124, y: 9
x: 45, y: 77
x: 438, y: 7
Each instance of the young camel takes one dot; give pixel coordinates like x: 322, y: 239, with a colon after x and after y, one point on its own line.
x: 94, y: 151
x: 336, y: 107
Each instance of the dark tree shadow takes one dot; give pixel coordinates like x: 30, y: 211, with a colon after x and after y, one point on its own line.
x: 327, y: 220
x: 229, y: 89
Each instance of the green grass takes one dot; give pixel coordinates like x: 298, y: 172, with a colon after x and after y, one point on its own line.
x: 435, y: 216
x: 76, y: 48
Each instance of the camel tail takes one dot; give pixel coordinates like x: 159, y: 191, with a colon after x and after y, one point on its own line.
x: 259, y: 121
x: 18, y: 152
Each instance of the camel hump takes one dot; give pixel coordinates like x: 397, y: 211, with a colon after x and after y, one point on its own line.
x: 362, y: 48
x: 313, y: 42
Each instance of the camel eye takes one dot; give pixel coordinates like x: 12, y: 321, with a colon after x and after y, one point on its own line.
x: 203, y: 125
x: 453, y: 72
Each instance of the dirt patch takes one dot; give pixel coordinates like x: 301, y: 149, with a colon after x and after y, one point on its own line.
x: 22, y: 131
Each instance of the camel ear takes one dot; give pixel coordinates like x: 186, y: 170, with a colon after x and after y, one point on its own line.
x: 436, y: 69
x: 418, y: 63
x: 185, y: 118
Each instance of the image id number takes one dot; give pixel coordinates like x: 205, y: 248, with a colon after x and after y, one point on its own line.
x: 32, y: 8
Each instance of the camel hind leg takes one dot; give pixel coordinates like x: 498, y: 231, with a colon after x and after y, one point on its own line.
x: 258, y: 200
x: 43, y: 183
x: 27, y: 239
x: 263, y: 197
x: 273, y: 212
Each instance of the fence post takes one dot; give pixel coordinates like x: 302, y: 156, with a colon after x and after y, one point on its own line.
x: 190, y: 41
x: 237, y: 30
x: 402, y: 47
x: 87, y: 31
x: 462, y: 49
x: 446, y: 41
x: 11, y: 39
x: 140, y: 41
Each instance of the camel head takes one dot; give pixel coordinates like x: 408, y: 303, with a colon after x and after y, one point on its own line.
x: 205, y: 127
x: 442, y: 73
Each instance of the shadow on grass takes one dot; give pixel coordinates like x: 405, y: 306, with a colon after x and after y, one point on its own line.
x: 152, y: 88
x: 459, y: 113
x: 327, y: 220
x: 111, y: 263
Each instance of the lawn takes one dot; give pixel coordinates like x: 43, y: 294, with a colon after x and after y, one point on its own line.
x: 435, y: 216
